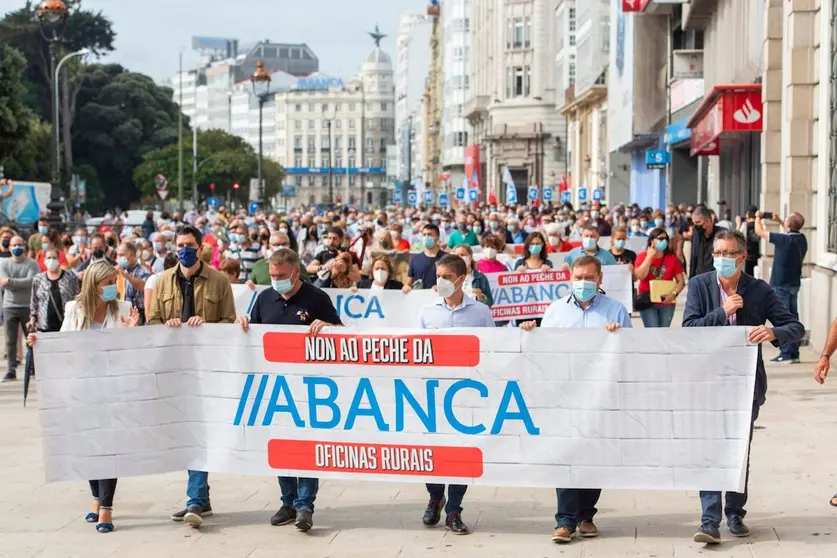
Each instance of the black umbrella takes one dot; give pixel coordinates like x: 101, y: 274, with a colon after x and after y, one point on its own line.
x: 28, y: 369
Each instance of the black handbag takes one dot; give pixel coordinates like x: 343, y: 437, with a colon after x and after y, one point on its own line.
x: 642, y: 302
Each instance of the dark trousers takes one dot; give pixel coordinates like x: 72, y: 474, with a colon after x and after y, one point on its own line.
x: 103, y: 490
x: 576, y: 505
x: 456, y: 492
x: 790, y: 296
x: 142, y: 321
x: 710, y: 502
x: 15, y: 318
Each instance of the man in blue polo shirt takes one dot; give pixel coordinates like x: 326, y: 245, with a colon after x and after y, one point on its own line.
x: 589, y: 247
x: 423, y: 266
x: 453, y: 309
x: 786, y: 274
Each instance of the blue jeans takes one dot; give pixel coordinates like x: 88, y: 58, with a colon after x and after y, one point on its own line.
x: 657, y: 316
x: 789, y: 296
x: 197, y: 489
x: 456, y: 492
x: 299, y: 493
x: 575, y: 505
x: 710, y: 502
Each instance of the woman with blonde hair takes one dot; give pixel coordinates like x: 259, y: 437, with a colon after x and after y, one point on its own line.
x: 97, y: 307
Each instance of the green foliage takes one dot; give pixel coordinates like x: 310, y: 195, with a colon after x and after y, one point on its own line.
x: 223, y: 160
x: 15, y: 118
x: 31, y: 157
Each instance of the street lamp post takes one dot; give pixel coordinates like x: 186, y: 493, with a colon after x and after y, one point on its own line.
x: 261, y: 89
x: 57, y: 102
x: 52, y: 20
x: 329, y: 118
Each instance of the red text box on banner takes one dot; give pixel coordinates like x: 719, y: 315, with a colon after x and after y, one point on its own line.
x: 373, y: 350
x: 375, y: 459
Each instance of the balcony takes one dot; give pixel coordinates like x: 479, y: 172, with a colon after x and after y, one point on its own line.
x: 476, y: 106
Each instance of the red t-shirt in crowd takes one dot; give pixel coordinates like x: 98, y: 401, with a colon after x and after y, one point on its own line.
x: 403, y: 245
x: 665, y: 269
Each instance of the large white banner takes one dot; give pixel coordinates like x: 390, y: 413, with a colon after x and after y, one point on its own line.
x: 365, y: 308
x: 637, y: 409
x: 520, y: 296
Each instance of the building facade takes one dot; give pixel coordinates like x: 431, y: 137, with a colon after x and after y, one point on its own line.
x: 512, y: 106
x: 584, y: 104
x: 411, y: 65
x: 456, y: 85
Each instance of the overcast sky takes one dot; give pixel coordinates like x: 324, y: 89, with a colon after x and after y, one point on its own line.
x: 150, y: 33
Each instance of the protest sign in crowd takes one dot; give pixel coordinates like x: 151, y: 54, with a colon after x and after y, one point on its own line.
x: 425, y: 345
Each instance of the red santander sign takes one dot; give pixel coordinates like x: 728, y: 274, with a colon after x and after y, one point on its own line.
x: 634, y: 6
x: 728, y: 109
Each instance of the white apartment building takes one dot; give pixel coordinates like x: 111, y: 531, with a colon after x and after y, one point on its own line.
x: 456, y: 76
x: 332, y: 136
x: 411, y: 67
x: 512, y: 103
x: 565, y: 56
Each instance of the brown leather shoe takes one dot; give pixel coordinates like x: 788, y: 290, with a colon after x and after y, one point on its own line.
x: 562, y: 535
x: 588, y: 530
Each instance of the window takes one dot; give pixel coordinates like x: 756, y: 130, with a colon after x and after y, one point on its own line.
x: 298, y: 179
x: 384, y: 124
x: 325, y: 107
x: 298, y: 161
x: 312, y: 143
x: 383, y: 107
x: 311, y: 107
x: 571, y: 14
x: 298, y: 108
x: 527, y: 83
x: 351, y: 107
x: 516, y: 81
x: 509, y: 33
x: 297, y: 142
x: 280, y: 125
x: 351, y: 180
x: 338, y: 124
x: 351, y: 162
x: 351, y: 142
x: 527, y: 32
x: 466, y: 83
x: 311, y: 124
x: 338, y: 179
x: 338, y: 141
x: 338, y: 107
x: 571, y: 73
x: 324, y: 142
x: 298, y: 124
x: 280, y: 142
x: 383, y: 144
x: 517, y: 38
x: 370, y: 144
x: 572, y: 39
x: 351, y: 124
x: 310, y: 179
x: 338, y: 161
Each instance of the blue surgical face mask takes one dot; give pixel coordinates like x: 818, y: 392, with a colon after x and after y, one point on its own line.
x: 662, y: 245
x: 477, y: 229
x: 122, y: 261
x: 588, y: 243
x: 282, y: 286
x: 619, y: 244
x: 429, y: 242
x: 594, y: 214
x: 535, y: 249
x: 726, y: 267
x: 43, y: 230
x: 158, y: 246
x: 188, y: 256
x: 643, y: 224
x: 659, y: 222
x: 17, y: 251
x: 510, y: 228
x: 109, y: 293
x: 493, y: 225
x: 584, y: 291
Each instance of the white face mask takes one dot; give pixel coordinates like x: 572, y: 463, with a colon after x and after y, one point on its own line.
x: 380, y: 276
x: 490, y: 253
x: 445, y: 288
x: 51, y: 264
x: 467, y: 260
x: 554, y: 240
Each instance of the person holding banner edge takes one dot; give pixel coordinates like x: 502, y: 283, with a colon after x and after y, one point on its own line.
x: 730, y: 297
x: 454, y: 309
x: 586, y: 307
x: 292, y: 302
x: 192, y: 293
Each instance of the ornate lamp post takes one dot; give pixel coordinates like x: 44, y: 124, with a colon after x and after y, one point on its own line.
x: 261, y: 89
x: 52, y: 20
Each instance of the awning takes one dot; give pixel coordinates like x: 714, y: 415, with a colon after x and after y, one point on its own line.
x: 726, y: 109
x: 678, y: 132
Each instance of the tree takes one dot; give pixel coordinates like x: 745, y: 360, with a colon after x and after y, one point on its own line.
x: 31, y: 158
x: 121, y: 116
x: 223, y: 160
x: 15, y: 118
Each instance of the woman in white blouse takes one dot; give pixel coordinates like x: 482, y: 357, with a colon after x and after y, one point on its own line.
x: 97, y: 307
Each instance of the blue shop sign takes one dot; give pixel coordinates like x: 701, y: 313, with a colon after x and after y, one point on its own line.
x: 678, y: 132
x: 321, y: 82
x: 335, y: 170
x: 657, y: 158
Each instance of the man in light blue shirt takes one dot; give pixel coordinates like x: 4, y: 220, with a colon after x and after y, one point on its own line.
x: 589, y: 247
x: 453, y: 309
x: 587, y: 308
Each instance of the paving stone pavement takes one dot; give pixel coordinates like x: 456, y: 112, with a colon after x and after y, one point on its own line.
x: 794, y: 460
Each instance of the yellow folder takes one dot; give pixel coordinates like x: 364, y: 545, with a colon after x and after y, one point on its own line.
x: 661, y: 289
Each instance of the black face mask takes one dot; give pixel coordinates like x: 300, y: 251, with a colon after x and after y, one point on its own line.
x: 7, y: 242
x: 68, y: 243
x: 98, y: 254
x: 111, y: 242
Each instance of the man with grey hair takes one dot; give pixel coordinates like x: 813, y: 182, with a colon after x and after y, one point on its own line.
x: 16, y: 274
x: 261, y: 271
x: 703, y: 234
x: 289, y: 301
x: 729, y: 297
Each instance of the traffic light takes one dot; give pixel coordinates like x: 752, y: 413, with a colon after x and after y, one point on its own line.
x: 212, y: 187
x: 236, y: 186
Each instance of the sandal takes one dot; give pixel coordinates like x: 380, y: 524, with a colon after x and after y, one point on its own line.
x: 833, y: 501
x: 92, y: 517
x: 104, y: 527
